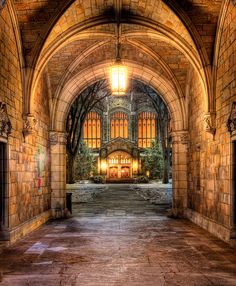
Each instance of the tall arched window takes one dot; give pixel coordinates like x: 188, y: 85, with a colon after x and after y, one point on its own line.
x: 119, y: 125
x: 92, y: 130
x: 146, y: 129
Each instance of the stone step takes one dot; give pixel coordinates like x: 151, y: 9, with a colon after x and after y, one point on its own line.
x: 120, y: 181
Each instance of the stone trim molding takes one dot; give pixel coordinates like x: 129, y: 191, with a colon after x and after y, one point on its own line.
x: 21, y: 230
x: 231, y: 123
x: 29, y: 124
x: 5, y: 124
x: 211, y: 226
x: 209, y: 120
x: 57, y: 138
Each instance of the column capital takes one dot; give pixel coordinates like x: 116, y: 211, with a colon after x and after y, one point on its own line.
x: 57, y: 138
x: 180, y: 136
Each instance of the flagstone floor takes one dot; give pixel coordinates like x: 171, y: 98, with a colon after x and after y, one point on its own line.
x: 119, y: 239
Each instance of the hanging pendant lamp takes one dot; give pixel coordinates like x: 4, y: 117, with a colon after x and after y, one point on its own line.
x: 119, y: 72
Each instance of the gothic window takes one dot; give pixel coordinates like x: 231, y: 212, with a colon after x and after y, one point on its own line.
x: 119, y: 125
x: 92, y: 130
x: 146, y: 129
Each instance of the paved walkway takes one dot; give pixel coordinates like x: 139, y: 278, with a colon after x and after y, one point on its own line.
x: 119, y: 240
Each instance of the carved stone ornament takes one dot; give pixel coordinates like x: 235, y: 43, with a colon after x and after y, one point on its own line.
x: 5, y: 124
x: 29, y: 125
x: 184, y: 138
x: 58, y: 138
x: 231, y: 123
x: 209, y: 120
x: 180, y: 137
x: 2, y: 4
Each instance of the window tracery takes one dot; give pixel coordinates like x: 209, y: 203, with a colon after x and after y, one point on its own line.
x: 119, y: 125
x: 92, y: 130
x: 146, y: 129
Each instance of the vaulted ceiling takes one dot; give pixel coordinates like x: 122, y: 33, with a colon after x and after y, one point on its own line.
x: 61, y: 38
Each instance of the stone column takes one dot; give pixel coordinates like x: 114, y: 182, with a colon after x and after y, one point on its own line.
x: 179, y: 172
x: 58, y: 173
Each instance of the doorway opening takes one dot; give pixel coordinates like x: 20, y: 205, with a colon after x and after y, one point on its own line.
x: 234, y: 183
x: 119, y: 165
x: 3, y: 185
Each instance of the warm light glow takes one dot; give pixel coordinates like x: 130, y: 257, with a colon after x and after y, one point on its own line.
x: 135, y: 166
x: 104, y: 166
x: 118, y: 79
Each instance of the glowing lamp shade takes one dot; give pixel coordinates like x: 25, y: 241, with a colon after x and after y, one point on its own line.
x: 118, y: 79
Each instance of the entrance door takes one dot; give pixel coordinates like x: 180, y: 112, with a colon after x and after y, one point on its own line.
x: 3, y: 183
x: 113, y: 172
x: 125, y: 172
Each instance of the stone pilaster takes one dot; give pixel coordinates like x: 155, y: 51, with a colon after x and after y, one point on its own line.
x: 58, y: 173
x: 180, y: 142
x: 105, y: 127
x: 132, y: 129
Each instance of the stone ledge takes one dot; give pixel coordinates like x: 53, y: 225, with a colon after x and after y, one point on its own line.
x: 211, y: 226
x: 28, y: 226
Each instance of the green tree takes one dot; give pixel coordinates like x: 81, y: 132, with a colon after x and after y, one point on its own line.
x: 85, y: 163
x: 83, y: 104
x: 153, y: 161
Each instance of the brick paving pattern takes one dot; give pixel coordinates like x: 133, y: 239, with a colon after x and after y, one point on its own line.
x: 119, y: 239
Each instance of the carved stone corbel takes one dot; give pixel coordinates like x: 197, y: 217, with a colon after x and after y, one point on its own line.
x: 29, y: 123
x: 231, y: 123
x: 56, y: 138
x: 209, y: 120
x: 5, y: 124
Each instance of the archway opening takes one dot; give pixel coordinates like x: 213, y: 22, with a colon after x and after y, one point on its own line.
x: 3, y: 187
x: 119, y: 139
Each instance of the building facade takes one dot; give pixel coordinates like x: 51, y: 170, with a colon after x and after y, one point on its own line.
x: 120, y: 132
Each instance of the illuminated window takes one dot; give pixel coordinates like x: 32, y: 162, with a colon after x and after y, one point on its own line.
x: 92, y: 130
x: 146, y: 129
x: 119, y: 125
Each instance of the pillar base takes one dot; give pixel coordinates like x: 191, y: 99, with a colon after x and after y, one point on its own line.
x: 61, y: 214
x: 177, y: 213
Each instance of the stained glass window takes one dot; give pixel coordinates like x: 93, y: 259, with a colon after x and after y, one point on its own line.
x: 119, y: 125
x: 92, y: 130
x: 146, y: 129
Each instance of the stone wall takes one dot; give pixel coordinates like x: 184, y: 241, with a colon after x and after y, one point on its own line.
x: 26, y: 198
x: 210, y: 156
x: 225, y: 95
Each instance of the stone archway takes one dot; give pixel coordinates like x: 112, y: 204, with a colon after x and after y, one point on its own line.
x: 61, y: 108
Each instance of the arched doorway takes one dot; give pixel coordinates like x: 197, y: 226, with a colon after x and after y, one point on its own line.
x: 119, y: 165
